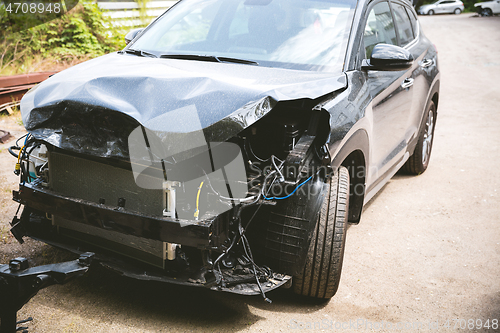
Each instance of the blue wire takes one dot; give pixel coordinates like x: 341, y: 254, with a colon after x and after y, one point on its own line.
x: 281, y: 198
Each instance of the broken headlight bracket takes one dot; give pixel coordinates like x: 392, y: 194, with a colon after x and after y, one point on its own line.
x: 19, y: 283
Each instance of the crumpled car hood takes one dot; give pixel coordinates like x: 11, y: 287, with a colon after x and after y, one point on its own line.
x: 163, y: 95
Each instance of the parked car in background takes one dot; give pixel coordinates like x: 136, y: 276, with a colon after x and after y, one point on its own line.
x: 488, y: 8
x: 442, y: 7
x: 231, y: 142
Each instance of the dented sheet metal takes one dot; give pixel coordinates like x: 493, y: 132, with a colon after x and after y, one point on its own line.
x: 92, y: 107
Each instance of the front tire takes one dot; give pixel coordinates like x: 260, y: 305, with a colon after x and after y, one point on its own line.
x: 431, y: 12
x: 487, y: 12
x: 321, y: 274
x: 419, y: 160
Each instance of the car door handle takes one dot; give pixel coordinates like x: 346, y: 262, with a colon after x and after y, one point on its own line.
x: 407, y: 83
x: 426, y: 63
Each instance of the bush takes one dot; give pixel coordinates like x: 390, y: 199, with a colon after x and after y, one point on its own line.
x: 83, y: 33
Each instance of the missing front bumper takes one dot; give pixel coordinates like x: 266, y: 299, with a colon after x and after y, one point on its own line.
x: 130, y: 243
x: 203, y: 234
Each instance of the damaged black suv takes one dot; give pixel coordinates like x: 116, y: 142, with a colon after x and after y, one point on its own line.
x: 231, y: 142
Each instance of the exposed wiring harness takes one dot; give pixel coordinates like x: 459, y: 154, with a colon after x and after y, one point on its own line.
x: 238, y: 236
x: 19, y: 169
x: 197, y: 211
x: 278, y: 169
x: 235, y: 200
x: 12, y: 150
x: 23, y: 154
x: 17, y: 147
x: 291, y: 193
x: 254, y: 199
x: 266, y: 272
x: 257, y: 270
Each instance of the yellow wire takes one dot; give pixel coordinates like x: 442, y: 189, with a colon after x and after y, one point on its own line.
x: 19, y: 155
x: 197, y: 212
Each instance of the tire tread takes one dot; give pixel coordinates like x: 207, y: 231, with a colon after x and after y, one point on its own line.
x: 321, y: 275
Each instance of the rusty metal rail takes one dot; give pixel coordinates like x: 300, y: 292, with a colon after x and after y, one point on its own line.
x: 12, y: 88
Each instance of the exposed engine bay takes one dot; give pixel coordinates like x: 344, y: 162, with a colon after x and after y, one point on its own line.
x: 207, y: 215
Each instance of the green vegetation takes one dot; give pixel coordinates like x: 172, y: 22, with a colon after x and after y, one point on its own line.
x: 143, y: 11
x: 469, y: 5
x: 83, y: 33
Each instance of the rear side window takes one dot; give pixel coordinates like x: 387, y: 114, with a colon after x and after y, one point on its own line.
x: 403, y: 23
x: 413, y: 20
x: 379, y: 28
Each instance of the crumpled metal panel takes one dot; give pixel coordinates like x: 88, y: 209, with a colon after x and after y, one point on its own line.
x: 83, y: 107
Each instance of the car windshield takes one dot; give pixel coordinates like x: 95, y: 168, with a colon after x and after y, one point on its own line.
x: 296, y: 34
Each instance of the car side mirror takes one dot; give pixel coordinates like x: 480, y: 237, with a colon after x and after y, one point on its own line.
x: 132, y: 34
x: 387, y: 57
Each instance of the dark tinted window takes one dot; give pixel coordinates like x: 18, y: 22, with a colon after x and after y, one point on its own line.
x: 379, y: 28
x: 403, y: 23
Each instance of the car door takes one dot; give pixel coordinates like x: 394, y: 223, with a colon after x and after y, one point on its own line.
x: 450, y: 6
x: 496, y: 7
x: 437, y: 7
x: 440, y: 7
x: 391, y: 93
x: 410, y: 39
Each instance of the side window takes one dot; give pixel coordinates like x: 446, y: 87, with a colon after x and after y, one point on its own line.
x: 413, y: 20
x: 379, y: 28
x: 403, y: 23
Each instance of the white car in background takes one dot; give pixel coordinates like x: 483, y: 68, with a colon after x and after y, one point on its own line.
x: 442, y: 7
x: 488, y: 8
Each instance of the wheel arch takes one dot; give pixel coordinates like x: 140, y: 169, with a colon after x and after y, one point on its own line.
x: 354, y: 156
x: 433, y: 96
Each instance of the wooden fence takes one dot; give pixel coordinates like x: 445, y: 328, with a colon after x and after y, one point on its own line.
x: 131, y: 14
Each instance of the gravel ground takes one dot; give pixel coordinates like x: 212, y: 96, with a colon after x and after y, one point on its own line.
x: 426, y: 251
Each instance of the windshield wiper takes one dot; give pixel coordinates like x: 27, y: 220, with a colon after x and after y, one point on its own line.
x: 209, y: 58
x: 238, y: 61
x: 190, y: 57
x: 140, y: 53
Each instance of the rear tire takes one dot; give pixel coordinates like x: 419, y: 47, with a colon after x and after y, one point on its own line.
x: 457, y: 11
x: 321, y: 274
x: 419, y: 161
